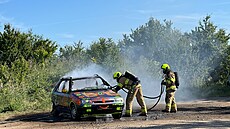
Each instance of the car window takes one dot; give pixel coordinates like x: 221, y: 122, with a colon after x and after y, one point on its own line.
x: 66, y: 86
x: 75, y: 85
x: 92, y: 82
x: 61, y: 86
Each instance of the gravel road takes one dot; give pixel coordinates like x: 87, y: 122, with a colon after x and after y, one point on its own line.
x: 214, y: 113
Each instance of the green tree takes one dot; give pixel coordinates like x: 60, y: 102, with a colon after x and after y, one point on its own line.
x: 20, y: 57
x: 159, y: 43
x: 105, y: 53
x: 15, y: 45
x: 211, y: 45
x: 74, y: 54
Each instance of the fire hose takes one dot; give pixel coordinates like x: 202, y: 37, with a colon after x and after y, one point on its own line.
x: 155, y: 97
x: 148, y: 97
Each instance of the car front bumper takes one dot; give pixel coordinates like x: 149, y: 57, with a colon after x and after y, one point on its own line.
x: 101, y: 109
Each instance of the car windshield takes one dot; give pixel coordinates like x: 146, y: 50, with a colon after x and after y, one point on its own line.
x: 88, y: 84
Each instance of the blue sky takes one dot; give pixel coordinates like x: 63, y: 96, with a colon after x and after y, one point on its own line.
x: 68, y: 21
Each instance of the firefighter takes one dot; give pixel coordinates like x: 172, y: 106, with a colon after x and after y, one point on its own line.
x: 169, y: 82
x: 134, y: 89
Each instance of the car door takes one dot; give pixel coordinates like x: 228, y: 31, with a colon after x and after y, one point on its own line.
x: 65, y: 95
x: 57, y: 94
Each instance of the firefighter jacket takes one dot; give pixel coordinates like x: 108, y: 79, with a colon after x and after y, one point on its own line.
x: 126, y: 83
x: 169, y: 80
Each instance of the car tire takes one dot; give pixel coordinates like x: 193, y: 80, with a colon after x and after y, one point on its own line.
x: 117, y: 116
x: 74, y: 114
x: 55, y: 111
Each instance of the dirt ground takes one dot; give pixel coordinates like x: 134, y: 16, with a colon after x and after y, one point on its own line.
x: 214, y: 113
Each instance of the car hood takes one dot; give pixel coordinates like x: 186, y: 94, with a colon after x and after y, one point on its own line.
x: 95, y: 94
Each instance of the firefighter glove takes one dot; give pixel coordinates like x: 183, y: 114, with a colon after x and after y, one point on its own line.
x: 116, y: 89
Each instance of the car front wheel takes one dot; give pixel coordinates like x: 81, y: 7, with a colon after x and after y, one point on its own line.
x: 54, y: 111
x: 117, y: 115
x: 74, y: 114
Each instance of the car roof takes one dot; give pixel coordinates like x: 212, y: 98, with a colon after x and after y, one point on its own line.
x: 87, y: 77
x: 79, y: 78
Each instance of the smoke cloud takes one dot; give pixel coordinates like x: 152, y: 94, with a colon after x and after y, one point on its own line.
x: 150, y: 84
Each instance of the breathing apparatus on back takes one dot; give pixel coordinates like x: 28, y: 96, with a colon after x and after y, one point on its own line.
x: 132, y: 77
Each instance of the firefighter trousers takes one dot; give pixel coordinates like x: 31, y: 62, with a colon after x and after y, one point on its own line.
x: 136, y: 91
x: 170, y: 101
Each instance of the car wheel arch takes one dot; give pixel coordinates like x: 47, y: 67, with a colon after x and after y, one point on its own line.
x: 55, y: 112
x: 76, y: 115
x: 71, y: 104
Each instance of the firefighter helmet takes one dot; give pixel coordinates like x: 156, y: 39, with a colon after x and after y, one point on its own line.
x: 165, y: 66
x: 116, y: 75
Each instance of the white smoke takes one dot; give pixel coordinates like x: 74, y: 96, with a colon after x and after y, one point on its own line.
x: 151, y: 85
x: 90, y: 70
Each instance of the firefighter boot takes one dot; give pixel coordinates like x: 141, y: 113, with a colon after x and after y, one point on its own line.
x: 167, y: 108
x: 128, y: 113
x: 173, y: 108
x: 143, y: 112
x: 165, y: 111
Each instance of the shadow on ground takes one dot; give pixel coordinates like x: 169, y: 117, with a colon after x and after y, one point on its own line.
x: 204, y: 110
x: 190, y: 125
x: 47, y: 117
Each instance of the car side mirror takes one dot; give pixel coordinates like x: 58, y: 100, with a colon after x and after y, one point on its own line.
x: 64, y: 91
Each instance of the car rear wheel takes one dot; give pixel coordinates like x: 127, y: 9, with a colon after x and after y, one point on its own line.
x: 55, y: 111
x: 117, y: 116
x: 74, y: 114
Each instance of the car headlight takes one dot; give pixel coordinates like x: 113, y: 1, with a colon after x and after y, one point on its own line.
x: 118, y: 100
x: 83, y: 101
x: 86, y: 101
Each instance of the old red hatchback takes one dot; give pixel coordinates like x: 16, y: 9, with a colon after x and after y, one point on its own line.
x: 85, y: 96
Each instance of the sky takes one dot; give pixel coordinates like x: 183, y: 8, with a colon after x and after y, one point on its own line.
x: 70, y: 21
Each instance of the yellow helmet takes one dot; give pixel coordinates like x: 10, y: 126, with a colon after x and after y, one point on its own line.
x: 165, y: 66
x: 117, y: 75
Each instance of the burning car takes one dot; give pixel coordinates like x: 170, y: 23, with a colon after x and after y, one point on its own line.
x: 85, y: 96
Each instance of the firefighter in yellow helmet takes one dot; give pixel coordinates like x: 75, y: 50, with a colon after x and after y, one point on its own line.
x: 132, y: 84
x: 169, y: 82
